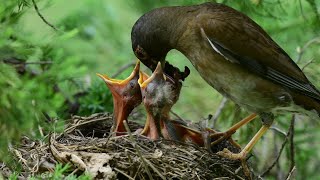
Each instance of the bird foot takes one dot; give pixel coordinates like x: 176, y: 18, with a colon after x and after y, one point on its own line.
x: 226, y: 153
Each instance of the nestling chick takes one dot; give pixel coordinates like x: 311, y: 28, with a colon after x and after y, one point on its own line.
x: 126, y: 96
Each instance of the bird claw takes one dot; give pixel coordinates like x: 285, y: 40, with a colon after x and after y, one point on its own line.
x: 226, y: 153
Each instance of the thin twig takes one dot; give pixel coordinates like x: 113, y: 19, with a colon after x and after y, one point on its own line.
x: 137, y: 149
x: 276, y: 129
x: 280, y: 152
x: 302, y: 50
x: 226, y: 168
x: 41, y: 16
x: 301, y: 10
x: 69, y: 129
x: 218, y: 111
x: 291, y: 173
x: 123, y: 173
x: 292, y: 148
x: 123, y: 68
x: 177, y: 116
x: 307, y: 64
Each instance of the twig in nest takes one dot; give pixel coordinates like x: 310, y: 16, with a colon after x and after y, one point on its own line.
x: 228, y: 170
x: 123, y: 68
x: 123, y: 173
x: 281, y: 149
x: 145, y: 161
x: 137, y: 149
x: 41, y: 16
x: 71, y: 128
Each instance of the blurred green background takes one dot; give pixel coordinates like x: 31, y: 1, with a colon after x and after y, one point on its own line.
x: 47, y: 75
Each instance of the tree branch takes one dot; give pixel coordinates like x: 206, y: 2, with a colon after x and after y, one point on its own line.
x: 41, y: 16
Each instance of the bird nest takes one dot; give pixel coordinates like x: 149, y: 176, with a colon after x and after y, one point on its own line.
x: 87, y: 147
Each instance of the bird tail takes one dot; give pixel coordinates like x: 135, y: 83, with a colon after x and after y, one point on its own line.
x: 308, y: 103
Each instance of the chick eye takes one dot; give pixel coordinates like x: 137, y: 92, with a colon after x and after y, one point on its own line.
x: 141, y: 53
x: 131, y: 84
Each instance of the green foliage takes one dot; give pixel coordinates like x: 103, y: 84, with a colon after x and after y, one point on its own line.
x: 99, y: 99
x: 61, y: 172
x: 37, y: 77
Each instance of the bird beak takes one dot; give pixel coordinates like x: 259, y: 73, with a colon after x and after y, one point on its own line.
x: 109, y: 80
x: 142, y: 78
x: 126, y: 96
x: 157, y: 75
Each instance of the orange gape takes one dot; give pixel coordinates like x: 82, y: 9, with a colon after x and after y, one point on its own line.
x: 126, y: 96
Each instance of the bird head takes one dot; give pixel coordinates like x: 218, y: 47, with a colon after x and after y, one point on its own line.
x: 152, y: 38
x: 148, y: 43
x: 153, y: 90
x: 127, y: 90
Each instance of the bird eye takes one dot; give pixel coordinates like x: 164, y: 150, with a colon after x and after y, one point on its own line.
x: 141, y: 53
x: 131, y: 84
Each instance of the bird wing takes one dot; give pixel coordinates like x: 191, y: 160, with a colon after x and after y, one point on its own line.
x: 240, y: 40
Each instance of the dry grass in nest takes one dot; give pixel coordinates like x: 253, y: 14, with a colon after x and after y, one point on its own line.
x: 87, y: 146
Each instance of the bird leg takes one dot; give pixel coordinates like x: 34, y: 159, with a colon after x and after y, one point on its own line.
x: 220, y: 136
x: 267, y: 122
x: 126, y: 96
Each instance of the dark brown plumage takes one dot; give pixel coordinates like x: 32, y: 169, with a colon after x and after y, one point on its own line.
x: 232, y: 53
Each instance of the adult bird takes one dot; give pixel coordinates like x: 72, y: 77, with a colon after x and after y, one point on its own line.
x: 234, y: 55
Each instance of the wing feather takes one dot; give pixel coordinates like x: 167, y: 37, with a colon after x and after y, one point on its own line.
x: 265, y: 71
